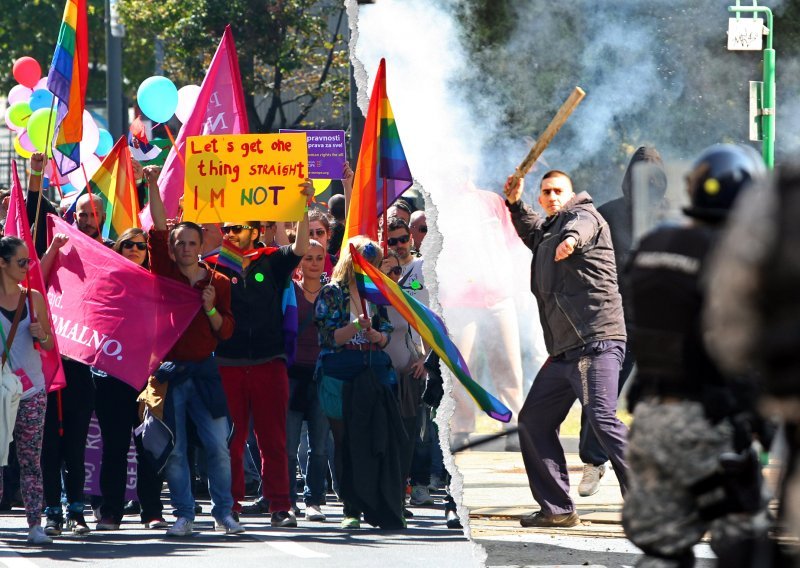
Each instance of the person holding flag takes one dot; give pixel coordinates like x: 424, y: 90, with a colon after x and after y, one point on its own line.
x: 23, y: 328
x: 253, y: 361
x: 354, y: 371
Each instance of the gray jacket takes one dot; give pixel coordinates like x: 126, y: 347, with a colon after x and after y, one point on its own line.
x: 578, y: 298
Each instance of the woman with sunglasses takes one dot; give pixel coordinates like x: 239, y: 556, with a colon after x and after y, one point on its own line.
x: 355, y: 382
x: 303, y: 399
x: 319, y: 229
x: 32, y: 328
x: 116, y: 408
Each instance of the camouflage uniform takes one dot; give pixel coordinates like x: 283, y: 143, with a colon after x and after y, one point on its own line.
x: 671, y: 447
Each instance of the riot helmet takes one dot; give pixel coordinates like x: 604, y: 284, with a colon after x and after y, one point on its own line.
x: 717, y: 177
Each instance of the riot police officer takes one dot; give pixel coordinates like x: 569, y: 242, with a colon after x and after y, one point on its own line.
x: 690, y: 471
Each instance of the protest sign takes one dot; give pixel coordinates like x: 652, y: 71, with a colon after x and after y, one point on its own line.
x: 239, y: 178
x: 327, y: 153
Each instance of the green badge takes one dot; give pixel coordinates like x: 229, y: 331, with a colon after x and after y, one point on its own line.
x: 415, y: 285
x: 259, y: 277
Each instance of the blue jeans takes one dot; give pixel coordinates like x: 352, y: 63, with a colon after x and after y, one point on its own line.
x: 317, y: 459
x: 213, y: 434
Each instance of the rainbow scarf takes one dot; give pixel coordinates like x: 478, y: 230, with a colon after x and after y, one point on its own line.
x: 378, y: 288
x: 381, y: 165
x: 114, y: 183
x: 69, y: 73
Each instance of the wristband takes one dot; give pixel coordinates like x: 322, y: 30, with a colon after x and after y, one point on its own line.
x: 212, y: 312
x: 36, y: 172
x: 356, y: 324
x: 46, y: 339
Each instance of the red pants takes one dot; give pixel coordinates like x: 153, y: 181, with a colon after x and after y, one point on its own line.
x: 260, y: 391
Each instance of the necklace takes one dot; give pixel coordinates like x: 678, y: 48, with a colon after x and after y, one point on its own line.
x: 312, y: 292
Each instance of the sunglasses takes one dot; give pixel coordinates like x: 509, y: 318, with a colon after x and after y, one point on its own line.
x: 395, y: 271
x: 128, y: 245
x: 235, y: 229
x: 23, y: 262
x: 392, y: 241
x: 421, y: 228
x: 317, y: 232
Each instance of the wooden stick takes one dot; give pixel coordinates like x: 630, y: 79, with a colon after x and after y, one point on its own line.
x: 544, y: 140
x: 48, y: 147
x: 172, y: 141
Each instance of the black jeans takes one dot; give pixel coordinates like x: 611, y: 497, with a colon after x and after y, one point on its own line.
x: 68, y: 450
x: 116, y: 411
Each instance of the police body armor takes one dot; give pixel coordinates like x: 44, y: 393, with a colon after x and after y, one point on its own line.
x: 664, y: 304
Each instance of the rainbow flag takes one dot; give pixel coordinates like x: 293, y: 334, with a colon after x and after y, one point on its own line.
x: 380, y: 289
x: 382, y: 166
x: 114, y: 183
x: 69, y: 73
x: 230, y: 256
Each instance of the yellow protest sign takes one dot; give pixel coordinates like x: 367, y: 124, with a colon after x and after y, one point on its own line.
x: 245, y: 177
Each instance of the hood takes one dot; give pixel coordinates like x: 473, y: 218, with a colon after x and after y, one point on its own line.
x: 642, y: 154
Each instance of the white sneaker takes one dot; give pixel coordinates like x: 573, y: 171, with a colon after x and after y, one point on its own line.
x: 314, y: 513
x: 590, y: 482
x: 181, y: 527
x: 421, y: 496
x: 36, y: 536
x: 229, y: 525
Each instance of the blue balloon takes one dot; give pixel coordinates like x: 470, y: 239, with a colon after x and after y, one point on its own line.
x: 158, y: 98
x: 105, y: 144
x: 41, y: 98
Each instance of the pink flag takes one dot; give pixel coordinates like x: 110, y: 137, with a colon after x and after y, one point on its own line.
x: 112, y: 314
x: 17, y: 226
x: 219, y: 110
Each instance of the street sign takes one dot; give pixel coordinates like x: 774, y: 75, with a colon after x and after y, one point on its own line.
x: 756, y: 89
x: 745, y: 34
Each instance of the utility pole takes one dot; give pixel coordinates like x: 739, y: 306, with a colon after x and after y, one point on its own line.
x: 746, y: 34
x: 114, y: 107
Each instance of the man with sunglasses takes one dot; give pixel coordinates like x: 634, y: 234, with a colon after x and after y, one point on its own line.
x: 253, y: 363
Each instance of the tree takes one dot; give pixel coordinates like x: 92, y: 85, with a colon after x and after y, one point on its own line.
x: 293, y: 52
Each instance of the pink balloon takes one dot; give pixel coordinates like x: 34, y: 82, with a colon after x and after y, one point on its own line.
x: 19, y: 93
x: 41, y: 84
x: 25, y: 141
x: 91, y: 135
x: 27, y: 71
x: 187, y: 98
x: 91, y: 163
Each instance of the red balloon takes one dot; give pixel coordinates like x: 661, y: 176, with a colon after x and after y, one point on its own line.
x: 27, y: 71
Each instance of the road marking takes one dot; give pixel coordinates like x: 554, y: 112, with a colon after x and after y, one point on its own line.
x: 11, y: 559
x: 294, y: 549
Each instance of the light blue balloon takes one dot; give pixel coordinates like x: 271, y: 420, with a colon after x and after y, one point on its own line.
x: 41, y: 98
x: 158, y: 98
x: 105, y: 144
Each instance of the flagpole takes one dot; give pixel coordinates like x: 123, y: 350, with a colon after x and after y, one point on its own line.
x: 385, y: 220
x: 47, y: 147
x: 54, y: 178
x: 172, y: 141
x: 91, y: 200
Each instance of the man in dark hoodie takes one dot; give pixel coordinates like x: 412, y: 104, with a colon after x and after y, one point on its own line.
x: 618, y: 213
x: 574, y: 279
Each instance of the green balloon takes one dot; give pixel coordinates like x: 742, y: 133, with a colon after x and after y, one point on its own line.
x: 19, y: 113
x: 40, y: 123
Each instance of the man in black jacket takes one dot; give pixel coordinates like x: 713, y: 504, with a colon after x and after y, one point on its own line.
x: 253, y: 362
x: 574, y: 279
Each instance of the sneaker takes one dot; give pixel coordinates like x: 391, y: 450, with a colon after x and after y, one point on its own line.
x: 283, y: 519
x: 437, y: 483
x: 230, y: 525
x: 258, y: 507
x: 220, y: 526
x: 539, y: 519
x: 36, y: 535
x: 157, y: 523
x: 421, y: 496
x: 314, y: 513
x: 351, y: 523
x: 132, y: 508
x: 181, y: 527
x: 407, y: 514
x: 107, y: 524
x: 453, y: 520
x: 54, y: 524
x: 77, y: 524
x: 590, y: 482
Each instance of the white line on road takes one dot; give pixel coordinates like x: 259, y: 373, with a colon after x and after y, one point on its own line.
x: 11, y: 559
x: 292, y: 548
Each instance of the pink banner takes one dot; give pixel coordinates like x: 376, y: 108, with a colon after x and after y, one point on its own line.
x: 112, y: 314
x: 17, y: 226
x: 219, y: 110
